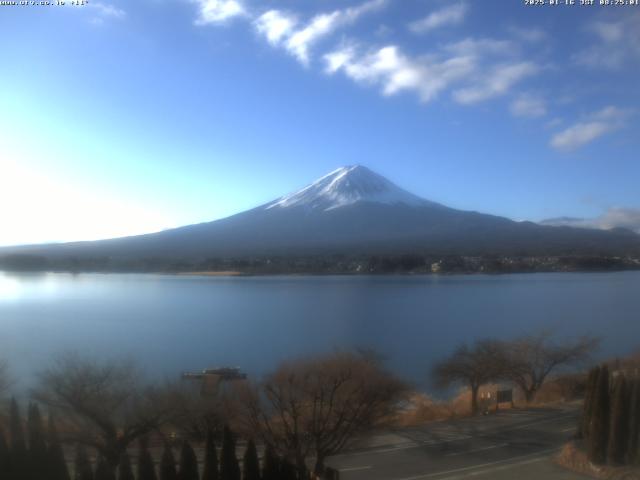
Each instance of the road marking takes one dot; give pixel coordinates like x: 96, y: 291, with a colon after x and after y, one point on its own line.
x: 541, y: 453
x: 518, y: 427
x: 496, y: 469
x: 355, y: 469
x: 476, y: 450
x: 385, y: 450
x: 568, y: 429
x: 391, y: 448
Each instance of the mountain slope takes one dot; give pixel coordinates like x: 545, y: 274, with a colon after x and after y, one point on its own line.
x: 352, y: 210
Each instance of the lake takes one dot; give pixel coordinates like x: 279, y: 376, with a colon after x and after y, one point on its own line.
x: 174, y: 323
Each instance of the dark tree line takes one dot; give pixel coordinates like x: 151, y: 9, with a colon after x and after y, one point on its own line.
x: 337, y: 263
x: 610, y: 422
x: 34, y: 454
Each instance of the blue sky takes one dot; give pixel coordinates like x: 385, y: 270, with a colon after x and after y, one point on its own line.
x: 119, y: 118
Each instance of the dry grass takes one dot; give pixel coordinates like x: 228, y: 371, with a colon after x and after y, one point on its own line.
x: 423, y: 409
x: 574, y: 458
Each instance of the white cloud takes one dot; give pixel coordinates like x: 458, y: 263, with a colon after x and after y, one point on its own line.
x: 468, y: 65
x: 338, y: 59
x: 300, y: 41
x: 621, y: 218
x: 278, y: 27
x: 615, y: 217
x: 497, y: 81
x: 395, y: 72
x: 480, y: 68
x: 451, y: 15
x: 100, y: 12
x: 578, y: 135
x: 592, y: 127
x: 527, y: 105
x: 617, y: 43
x: 275, y: 25
x: 353, y: 13
x: 218, y: 11
x: 106, y: 10
x: 609, y: 32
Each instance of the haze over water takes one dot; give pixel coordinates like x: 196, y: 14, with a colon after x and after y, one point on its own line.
x: 177, y: 323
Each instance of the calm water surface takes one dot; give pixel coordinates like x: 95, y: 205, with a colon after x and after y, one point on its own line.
x: 176, y: 323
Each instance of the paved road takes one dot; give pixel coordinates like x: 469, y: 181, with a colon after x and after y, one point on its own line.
x: 511, y: 444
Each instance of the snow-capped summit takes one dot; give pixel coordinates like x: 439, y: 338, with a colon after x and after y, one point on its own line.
x: 346, y: 186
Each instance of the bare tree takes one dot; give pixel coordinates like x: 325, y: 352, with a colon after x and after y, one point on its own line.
x: 105, y: 403
x: 196, y: 414
x: 532, y: 358
x: 473, y: 366
x: 315, y: 407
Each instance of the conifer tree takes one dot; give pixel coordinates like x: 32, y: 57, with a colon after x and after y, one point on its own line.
x: 19, y: 454
x: 229, y: 467
x: 270, y: 465
x: 634, y: 422
x: 619, y: 435
x: 82, y: 464
x: 168, y: 464
x: 37, y: 443
x: 56, y: 462
x: 188, y: 463
x: 210, y: 459
x: 599, y: 425
x: 250, y: 463
x: 592, y: 382
x: 125, y: 471
x: 103, y: 470
x: 287, y: 470
x: 4, y: 456
x: 146, y: 469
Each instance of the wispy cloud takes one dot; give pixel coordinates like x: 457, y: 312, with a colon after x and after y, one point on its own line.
x: 590, y: 128
x: 578, y: 135
x: 497, y: 81
x: 279, y: 27
x: 617, y: 43
x: 107, y: 10
x: 218, y: 11
x: 478, y: 69
x: 471, y: 69
x: 395, y: 72
x: 101, y: 12
x: 450, y: 15
x: 615, y: 217
x: 528, y: 105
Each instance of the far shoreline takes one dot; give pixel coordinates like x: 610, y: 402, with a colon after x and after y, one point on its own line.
x: 235, y: 273
x: 209, y: 273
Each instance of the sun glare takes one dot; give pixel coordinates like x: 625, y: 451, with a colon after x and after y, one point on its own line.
x: 38, y: 207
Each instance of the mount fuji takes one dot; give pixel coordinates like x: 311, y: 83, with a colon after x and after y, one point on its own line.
x: 351, y: 210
